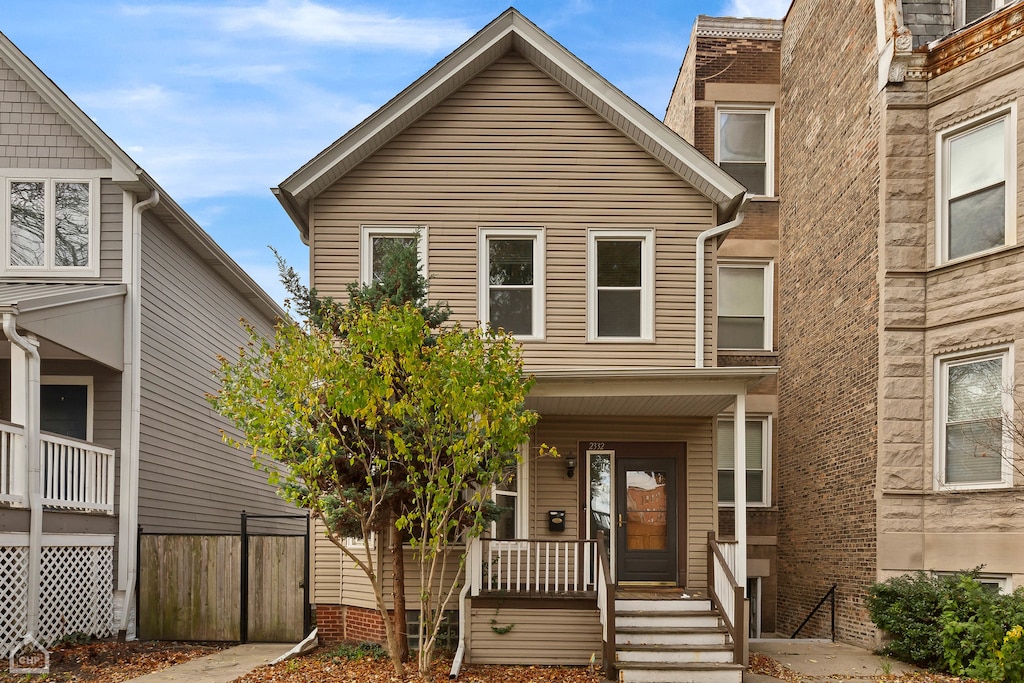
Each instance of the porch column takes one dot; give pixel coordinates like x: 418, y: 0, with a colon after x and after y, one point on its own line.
x: 740, y: 487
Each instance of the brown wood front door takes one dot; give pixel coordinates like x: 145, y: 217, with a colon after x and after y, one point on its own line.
x: 646, y: 533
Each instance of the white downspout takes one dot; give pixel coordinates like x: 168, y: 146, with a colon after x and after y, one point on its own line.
x: 131, y: 383
x: 698, y: 361
x: 35, y: 496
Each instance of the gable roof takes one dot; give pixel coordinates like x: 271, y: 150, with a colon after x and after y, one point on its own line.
x: 130, y: 176
x: 510, y: 31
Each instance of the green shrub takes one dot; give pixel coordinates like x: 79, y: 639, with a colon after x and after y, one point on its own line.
x: 952, y: 623
x: 909, y: 609
x: 356, y: 652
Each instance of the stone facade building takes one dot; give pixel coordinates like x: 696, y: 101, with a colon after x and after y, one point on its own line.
x: 898, y: 307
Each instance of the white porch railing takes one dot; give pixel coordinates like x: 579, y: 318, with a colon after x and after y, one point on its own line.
x: 728, y: 596
x: 535, y: 566
x: 77, y: 475
x: 12, y: 469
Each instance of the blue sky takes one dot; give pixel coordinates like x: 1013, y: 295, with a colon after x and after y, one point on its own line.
x: 219, y: 101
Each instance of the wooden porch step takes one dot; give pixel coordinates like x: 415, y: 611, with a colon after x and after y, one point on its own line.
x: 670, y: 635
x: 667, y: 605
x: 697, y: 672
x: 675, y: 654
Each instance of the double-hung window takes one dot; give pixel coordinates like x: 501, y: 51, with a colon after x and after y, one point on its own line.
x: 509, y: 494
x: 757, y: 461
x: 967, y: 11
x: 511, y: 281
x: 620, y: 285
x: 976, y: 186
x: 52, y: 225
x: 744, y: 145
x: 377, y: 242
x: 973, y: 402
x: 745, y: 305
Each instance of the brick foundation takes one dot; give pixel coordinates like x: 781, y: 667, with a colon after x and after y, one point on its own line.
x: 345, y: 623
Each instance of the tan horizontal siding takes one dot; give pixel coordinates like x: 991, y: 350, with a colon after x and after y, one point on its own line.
x: 539, y: 636
x: 512, y: 148
x: 550, y: 489
x: 326, y: 566
x: 111, y: 230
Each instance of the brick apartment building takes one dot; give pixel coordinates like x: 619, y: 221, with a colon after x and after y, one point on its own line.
x: 894, y: 185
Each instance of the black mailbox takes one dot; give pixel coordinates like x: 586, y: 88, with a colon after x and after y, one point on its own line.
x: 556, y: 520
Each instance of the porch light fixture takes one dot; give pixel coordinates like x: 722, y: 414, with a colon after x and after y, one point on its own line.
x: 570, y: 466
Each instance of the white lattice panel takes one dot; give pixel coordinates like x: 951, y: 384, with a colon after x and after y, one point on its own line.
x: 13, y: 595
x: 77, y: 592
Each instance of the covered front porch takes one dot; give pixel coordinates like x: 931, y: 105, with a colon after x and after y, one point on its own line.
x: 629, y: 505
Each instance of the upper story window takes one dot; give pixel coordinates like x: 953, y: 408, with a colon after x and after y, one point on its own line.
x: 756, y: 461
x: 745, y: 305
x: 620, y: 285
x: 974, y: 445
x: 976, y: 186
x: 511, y: 281
x: 967, y: 11
x: 744, y: 145
x: 52, y: 226
x: 376, y: 241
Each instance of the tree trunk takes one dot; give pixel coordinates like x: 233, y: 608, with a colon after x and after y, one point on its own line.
x: 401, y: 623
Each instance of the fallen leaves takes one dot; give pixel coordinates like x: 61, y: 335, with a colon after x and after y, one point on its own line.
x: 112, y: 662
x: 764, y: 665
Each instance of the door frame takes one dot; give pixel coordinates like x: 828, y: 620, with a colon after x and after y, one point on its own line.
x: 635, y: 450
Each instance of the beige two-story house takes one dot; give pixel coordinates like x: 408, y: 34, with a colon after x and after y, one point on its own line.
x: 551, y: 205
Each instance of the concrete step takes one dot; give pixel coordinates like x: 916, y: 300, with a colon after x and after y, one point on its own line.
x: 666, y: 618
x: 672, y: 605
x: 710, y: 672
x: 675, y: 654
x: 671, y: 635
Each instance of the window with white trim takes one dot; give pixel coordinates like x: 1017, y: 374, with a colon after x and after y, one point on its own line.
x: 974, y: 444
x: 66, y: 405
x: 968, y: 11
x: 52, y: 225
x: 509, y: 495
x: 757, y: 461
x: 745, y: 305
x: 976, y: 177
x: 744, y: 145
x: 376, y: 241
x: 511, y: 280
x: 620, y: 285
x: 996, y: 583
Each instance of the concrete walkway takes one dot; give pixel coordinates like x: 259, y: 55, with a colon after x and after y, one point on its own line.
x: 220, y: 667
x: 823, y: 659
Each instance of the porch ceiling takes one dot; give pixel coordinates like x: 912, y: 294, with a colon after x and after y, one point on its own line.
x: 87, y: 319
x: 651, y: 391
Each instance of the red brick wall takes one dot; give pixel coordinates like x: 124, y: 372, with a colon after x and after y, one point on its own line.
x: 342, y: 623
x: 828, y: 315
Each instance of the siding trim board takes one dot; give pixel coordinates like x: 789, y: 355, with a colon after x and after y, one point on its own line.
x: 510, y: 32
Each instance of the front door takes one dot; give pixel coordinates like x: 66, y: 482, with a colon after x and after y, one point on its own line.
x: 646, y: 533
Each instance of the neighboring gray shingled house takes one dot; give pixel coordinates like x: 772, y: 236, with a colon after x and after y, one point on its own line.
x: 114, y: 304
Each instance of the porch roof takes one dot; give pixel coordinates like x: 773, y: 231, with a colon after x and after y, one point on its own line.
x: 643, y: 391
x: 86, y: 318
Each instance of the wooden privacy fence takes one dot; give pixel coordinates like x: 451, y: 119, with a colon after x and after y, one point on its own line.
x: 197, y: 586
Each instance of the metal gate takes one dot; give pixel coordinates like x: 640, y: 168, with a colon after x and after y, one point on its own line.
x: 198, y: 587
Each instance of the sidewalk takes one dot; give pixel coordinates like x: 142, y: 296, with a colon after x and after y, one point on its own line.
x: 220, y: 667
x: 823, y: 659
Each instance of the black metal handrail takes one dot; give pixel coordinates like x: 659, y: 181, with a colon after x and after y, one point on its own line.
x: 830, y: 594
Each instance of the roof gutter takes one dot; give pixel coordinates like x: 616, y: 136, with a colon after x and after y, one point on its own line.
x: 35, y: 494
x: 698, y: 361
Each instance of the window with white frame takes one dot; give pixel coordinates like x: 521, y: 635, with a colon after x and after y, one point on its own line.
x: 996, y: 583
x: 377, y: 242
x: 509, y: 495
x: 511, y: 282
x: 974, y: 445
x: 744, y: 145
x: 745, y: 305
x: 967, y: 11
x: 52, y: 225
x: 756, y: 462
x: 620, y: 285
x: 66, y: 406
x: 976, y: 194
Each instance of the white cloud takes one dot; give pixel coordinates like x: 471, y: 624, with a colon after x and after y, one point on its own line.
x: 764, y: 9
x: 304, y: 21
